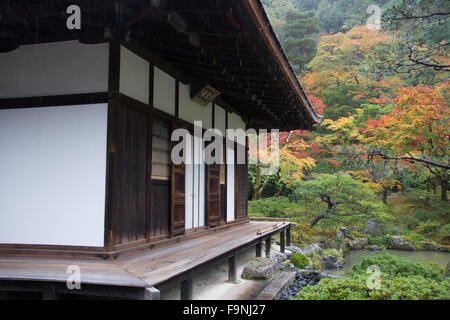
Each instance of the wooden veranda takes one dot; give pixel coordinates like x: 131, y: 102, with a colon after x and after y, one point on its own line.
x: 142, y: 273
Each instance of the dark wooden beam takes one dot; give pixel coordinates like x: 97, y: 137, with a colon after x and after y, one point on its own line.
x: 268, y: 245
x: 232, y: 269
x: 258, y: 249
x: 288, y: 236
x: 187, y: 287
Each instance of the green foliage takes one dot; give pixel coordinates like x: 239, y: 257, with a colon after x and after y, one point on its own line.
x: 299, y: 46
x: 342, y: 15
x: 316, y: 260
x: 369, y: 112
x: 276, y: 12
x: 299, y: 260
x: 340, y: 101
x: 355, y: 288
x: 400, y: 279
x: 445, y: 230
x: 279, y: 207
x: 358, y: 201
x: 392, y: 266
x: 332, y: 252
x: 381, y: 241
x: 419, y: 52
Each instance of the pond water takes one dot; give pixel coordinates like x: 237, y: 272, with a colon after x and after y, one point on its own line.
x: 354, y: 256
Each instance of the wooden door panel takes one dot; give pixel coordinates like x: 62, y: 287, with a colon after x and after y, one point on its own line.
x: 212, y: 195
x: 177, y: 221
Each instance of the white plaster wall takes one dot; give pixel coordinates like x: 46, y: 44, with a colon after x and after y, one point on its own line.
x: 191, y: 111
x: 52, y: 175
x: 134, y: 76
x: 164, y: 91
x: 220, y: 118
x: 55, y: 68
x: 195, y: 188
x: 230, y: 184
x: 235, y: 122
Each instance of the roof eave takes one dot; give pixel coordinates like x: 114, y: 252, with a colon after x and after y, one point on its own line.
x: 259, y: 17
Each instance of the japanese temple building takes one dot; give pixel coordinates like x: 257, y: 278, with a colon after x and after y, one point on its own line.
x: 86, y: 116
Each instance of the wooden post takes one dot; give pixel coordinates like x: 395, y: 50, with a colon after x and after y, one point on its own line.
x: 288, y: 236
x: 49, y: 292
x: 259, y: 249
x: 186, y: 288
x: 282, y: 241
x: 268, y: 245
x: 151, y: 294
x: 232, y: 270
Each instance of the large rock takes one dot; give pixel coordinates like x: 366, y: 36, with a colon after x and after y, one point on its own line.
x: 310, y: 273
x: 373, y: 247
x: 430, y: 246
x: 341, y: 233
x: 325, y: 274
x: 373, y: 228
x: 357, y: 244
x: 331, y: 262
x: 294, y: 249
x: 315, y: 247
x: 260, y: 268
x: 399, y: 243
x: 279, y: 257
x: 330, y: 244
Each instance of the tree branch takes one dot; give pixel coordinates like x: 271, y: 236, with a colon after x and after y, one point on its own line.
x: 411, y: 159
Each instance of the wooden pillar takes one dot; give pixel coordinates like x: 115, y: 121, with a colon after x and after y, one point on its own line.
x: 288, y: 236
x: 232, y: 270
x: 186, y: 288
x: 268, y: 245
x: 151, y: 294
x: 49, y: 292
x: 282, y: 241
x: 259, y: 249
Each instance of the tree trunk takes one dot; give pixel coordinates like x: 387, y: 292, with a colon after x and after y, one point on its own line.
x: 433, y: 185
x: 317, y: 218
x: 257, y: 185
x: 444, y: 188
x: 385, y: 193
x: 280, y: 191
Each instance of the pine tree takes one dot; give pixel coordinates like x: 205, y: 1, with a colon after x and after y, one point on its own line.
x: 298, y: 43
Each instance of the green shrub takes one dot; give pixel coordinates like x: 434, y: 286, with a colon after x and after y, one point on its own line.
x: 316, y: 260
x: 270, y: 207
x: 393, y: 266
x: 409, y: 222
x: 414, y: 237
x: 299, y: 260
x: 424, y: 215
x: 445, y: 230
x: 399, y: 288
x: 428, y: 227
x: 332, y: 252
x: 400, y: 279
x: 381, y: 241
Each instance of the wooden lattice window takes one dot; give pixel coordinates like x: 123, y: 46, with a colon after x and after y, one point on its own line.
x: 161, y: 150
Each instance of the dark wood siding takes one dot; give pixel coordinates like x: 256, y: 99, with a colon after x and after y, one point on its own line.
x: 131, y: 168
x: 241, y: 185
x: 212, y: 195
x: 160, y: 180
x: 160, y: 204
x: 178, y: 199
